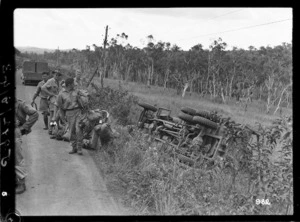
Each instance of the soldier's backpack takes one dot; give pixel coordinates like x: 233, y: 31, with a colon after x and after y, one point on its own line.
x: 83, y: 98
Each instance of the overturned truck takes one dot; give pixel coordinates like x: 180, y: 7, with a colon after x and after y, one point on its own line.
x: 193, y: 136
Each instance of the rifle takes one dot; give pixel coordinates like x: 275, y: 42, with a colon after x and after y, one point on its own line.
x: 92, y: 77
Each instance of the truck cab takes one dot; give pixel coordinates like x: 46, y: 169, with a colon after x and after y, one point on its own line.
x: 32, y: 72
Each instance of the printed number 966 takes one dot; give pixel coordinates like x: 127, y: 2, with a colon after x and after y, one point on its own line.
x: 262, y: 202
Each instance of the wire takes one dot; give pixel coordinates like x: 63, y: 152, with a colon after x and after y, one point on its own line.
x: 225, y: 14
x: 210, y: 19
x: 232, y: 30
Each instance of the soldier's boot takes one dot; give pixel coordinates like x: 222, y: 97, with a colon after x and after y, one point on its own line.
x: 73, y: 151
x: 53, y: 136
x: 79, y: 147
x: 79, y: 151
x: 20, y: 186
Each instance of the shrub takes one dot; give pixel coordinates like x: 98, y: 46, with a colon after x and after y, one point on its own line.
x: 121, y: 105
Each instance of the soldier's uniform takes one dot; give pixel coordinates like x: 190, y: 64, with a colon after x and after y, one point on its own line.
x: 97, y: 134
x: 60, y: 129
x: 53, y: 86
x: 67, y: 102
x: 44, y: 104
x: 22, y: 127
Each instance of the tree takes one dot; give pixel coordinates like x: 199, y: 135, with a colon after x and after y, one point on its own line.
x: 215, y: 63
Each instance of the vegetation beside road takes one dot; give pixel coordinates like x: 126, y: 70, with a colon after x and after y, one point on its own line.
x: 145, y: 178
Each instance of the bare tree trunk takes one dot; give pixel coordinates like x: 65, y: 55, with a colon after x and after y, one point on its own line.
x: 279, y: 102
x: 214, y: 85
x: 269, y: 84
x: 178, y: 88
x: 222, y: 95
x: 127, y: 77
x: 166, y: 78
x: 208, y: 74
x: 201, y: 86
x: 230, y: 85
x: 227, y: 87
x: 156, y: 81
x: 149, y: 77
x: 186, y: 86
x: 211, y: 90
x: 268, y: 102
x: 152, y: 71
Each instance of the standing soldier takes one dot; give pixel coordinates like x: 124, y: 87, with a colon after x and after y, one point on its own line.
x: 78, y: 80
x: 69, y: 106
x: 22, y: 127
x: 44, y: 104
x: 51, y: 88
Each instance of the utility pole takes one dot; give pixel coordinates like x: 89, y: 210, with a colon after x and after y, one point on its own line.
x: 104, y: 51
x: 102, y: 72
x: 57, y: 56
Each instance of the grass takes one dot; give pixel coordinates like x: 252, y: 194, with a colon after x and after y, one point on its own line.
x: 169, y: 99
x: 148, y: 181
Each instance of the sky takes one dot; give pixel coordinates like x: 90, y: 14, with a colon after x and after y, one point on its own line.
x: 185, y: 27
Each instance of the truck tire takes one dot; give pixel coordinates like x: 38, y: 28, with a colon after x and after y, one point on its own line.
x: 186, y: 117
x: 202, y: 113
x: 188, y: 110
x: 147, y: 106
x: 203, y: 121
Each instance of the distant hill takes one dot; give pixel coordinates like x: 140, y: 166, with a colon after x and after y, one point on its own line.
x: 37, y: 50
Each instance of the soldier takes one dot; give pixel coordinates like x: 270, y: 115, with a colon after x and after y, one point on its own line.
x: 97, y: 130
x: 44, y: 103
x: 78, y: 80
x: 22, y: 127
x: 58, y: 119
x: 69, y: 106
x: 51, y: 88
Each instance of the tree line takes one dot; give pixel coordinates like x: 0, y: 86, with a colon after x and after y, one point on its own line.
x: 265, y: 74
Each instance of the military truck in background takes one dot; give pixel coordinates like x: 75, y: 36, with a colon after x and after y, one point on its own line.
x: 32, y: 72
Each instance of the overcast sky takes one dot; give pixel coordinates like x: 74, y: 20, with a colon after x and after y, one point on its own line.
x: 186, y: 27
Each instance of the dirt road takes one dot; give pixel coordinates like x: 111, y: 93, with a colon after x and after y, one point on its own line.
x: 59, y: 183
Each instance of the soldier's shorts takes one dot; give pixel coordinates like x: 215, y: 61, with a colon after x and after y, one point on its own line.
x: 44, y: 105
x: 19, y: 159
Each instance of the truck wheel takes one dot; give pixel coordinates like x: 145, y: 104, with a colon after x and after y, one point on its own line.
x: 188, y: 110
x: 202, y: 113
x: 186, y: 117
x: 206, y: 122
x: 147, y: 106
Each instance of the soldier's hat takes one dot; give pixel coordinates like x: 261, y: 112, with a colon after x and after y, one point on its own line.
x: 57, y: 72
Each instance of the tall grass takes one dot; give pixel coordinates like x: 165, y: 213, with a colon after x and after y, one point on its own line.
x: 151, y: 181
